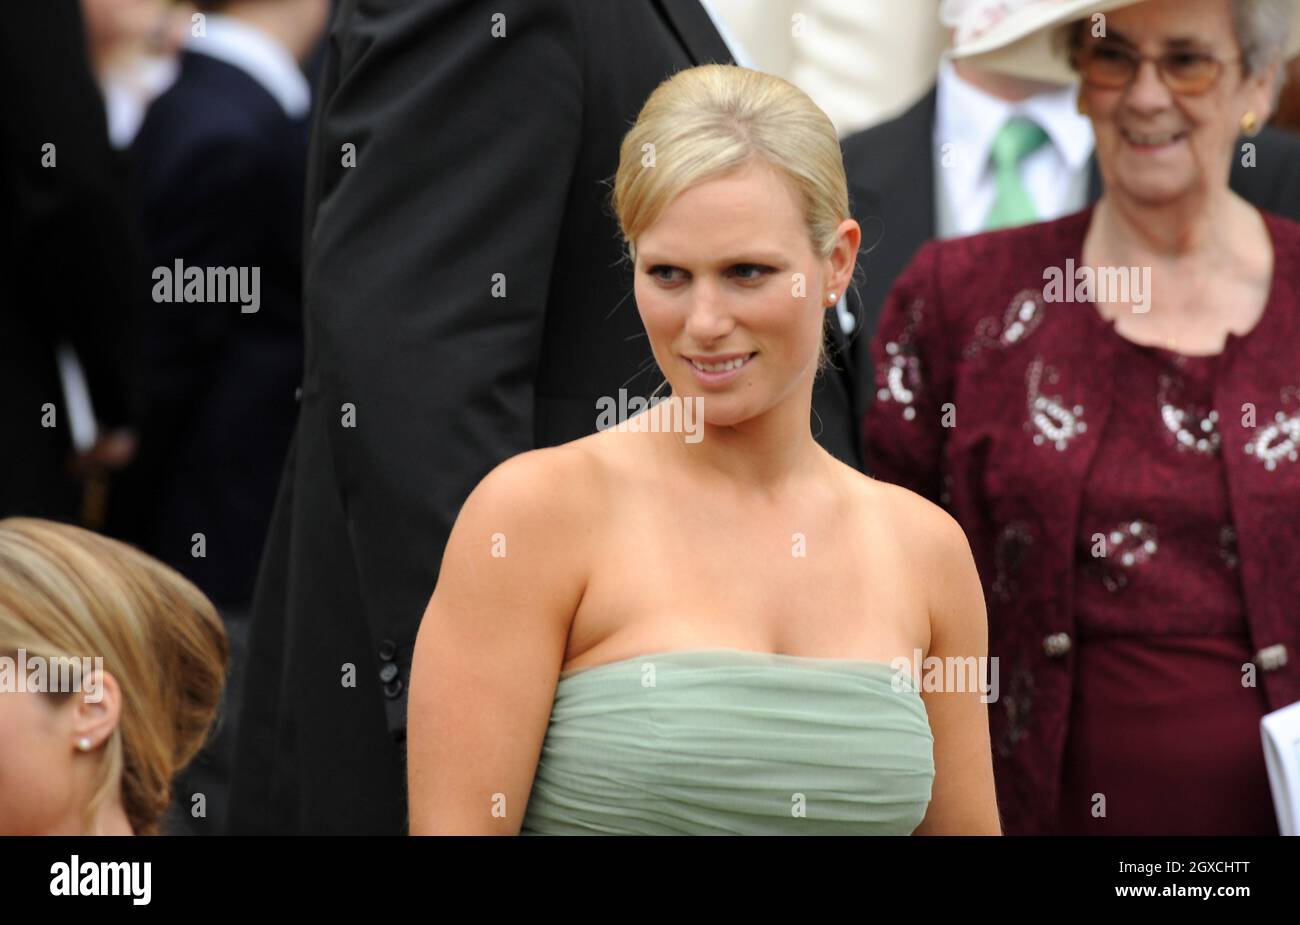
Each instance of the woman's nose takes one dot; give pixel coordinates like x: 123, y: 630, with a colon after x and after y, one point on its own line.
x: 1148, y: 92
x: 709, y: 318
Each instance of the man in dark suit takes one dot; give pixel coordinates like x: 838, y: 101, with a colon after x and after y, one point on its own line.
x: 891, y: 170
x: 67, y: 252
x: 465, y: 301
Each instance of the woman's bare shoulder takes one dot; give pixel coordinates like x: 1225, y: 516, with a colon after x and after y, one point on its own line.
x: 923, y: 530
x: 545, y: 485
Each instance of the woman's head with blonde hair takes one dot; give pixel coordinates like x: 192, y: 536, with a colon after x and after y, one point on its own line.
x: 76, y: 763
x: 730, y: 169
x: 710, y: 120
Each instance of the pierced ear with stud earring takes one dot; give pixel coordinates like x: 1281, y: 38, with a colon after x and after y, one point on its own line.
x: 83, y: 744
x: 1250, y: 124
x: 832, y: 298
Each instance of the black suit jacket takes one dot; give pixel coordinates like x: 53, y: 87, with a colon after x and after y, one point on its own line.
x: 220, y: 170
x: 481, y: 161
x: 67, y: 255
x: 890, y: 170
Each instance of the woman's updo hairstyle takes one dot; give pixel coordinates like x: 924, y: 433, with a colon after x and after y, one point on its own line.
x: 69, y: 593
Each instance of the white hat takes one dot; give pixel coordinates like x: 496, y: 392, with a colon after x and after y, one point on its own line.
x: 1015, y: 36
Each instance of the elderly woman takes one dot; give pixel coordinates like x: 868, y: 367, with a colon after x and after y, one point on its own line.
x: 1110, y: 406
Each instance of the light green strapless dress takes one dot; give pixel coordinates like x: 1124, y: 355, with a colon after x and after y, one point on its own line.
x: 731, y: 742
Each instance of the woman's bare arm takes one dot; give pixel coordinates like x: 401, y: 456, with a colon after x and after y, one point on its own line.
x: 963, y: 801
x: 492, y: 642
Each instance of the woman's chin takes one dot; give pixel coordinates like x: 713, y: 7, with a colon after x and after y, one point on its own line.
x: 1153, y: 189
x: 724, y: 412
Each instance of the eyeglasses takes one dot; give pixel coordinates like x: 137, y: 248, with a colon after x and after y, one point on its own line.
x: 1110, y: 66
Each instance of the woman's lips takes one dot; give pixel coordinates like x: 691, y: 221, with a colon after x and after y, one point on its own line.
x: 720, y: 369
x: 1150, y: 142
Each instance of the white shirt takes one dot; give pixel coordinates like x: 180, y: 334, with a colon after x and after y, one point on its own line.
x: 128, y: 92
x: 967, y: 120
x: 258, y: 55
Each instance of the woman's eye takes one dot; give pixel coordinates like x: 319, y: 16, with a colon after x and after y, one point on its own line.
x: 750, y: 272
x: 663, y: 273
x: 1188, y: 60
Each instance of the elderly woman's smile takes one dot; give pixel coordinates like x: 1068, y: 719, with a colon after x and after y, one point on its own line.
x: 1151, y: 141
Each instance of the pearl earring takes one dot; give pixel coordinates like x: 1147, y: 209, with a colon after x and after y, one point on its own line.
x: 832, y: 298
x: 84, y: 744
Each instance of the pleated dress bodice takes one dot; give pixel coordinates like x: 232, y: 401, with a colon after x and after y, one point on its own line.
x: 733, y: 742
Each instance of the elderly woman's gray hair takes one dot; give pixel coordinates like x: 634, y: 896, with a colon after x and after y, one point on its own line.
x: 1261, y: 27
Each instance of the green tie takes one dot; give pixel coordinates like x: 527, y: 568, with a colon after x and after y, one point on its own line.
x: 1016, y: 140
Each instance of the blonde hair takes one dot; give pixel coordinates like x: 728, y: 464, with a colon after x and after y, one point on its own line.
x: 707, y: 121
x: 67, y: 592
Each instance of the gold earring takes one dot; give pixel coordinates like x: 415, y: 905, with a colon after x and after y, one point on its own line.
x: 1082, y: 104
x: 1250, y: 124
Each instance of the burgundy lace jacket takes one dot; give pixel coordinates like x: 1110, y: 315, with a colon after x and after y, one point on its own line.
x: 991, y: 401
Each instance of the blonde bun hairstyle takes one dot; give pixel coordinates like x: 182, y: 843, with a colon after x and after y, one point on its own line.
x: 67, y: 592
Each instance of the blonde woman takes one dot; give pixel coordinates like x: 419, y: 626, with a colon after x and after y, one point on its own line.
x: 677, y: 631
x: 97, y: 755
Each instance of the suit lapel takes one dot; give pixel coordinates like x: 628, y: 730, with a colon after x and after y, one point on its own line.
x: 695, y: 30
x: 894, y: 201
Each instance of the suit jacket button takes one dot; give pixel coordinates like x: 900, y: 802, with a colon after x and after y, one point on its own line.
x: 1271, y: 658
x: 388, y: 672
x: 1057, y: 644
x: 393, y: 689
x: 387, y: 649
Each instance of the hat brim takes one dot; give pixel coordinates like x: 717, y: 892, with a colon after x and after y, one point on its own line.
x: 1022, y: 46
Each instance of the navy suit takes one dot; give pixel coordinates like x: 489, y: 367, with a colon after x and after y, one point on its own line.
x: 220, y: 172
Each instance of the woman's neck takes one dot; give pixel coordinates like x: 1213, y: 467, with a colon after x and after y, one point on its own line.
x: 765, y: 454
x: 1189, y: 227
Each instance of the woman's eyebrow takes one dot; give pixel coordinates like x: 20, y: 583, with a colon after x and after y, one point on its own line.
x: 747, y: 257
x: 1178, y: 42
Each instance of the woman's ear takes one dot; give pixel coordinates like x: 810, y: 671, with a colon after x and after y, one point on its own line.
x: 96, y: 711
x: 844, y: 256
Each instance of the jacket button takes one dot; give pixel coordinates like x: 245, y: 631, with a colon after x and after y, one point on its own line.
x: 1271, y: 658
x: 388, y: 672
x: 387, y: 649
x: 393, y: 689
x: 1057, y: 644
